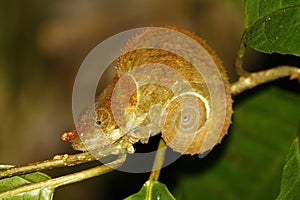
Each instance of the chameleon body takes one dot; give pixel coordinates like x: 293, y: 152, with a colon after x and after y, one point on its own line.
x: 155, y: 91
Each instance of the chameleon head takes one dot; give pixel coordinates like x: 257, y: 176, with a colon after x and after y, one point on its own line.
x: 97, y: 130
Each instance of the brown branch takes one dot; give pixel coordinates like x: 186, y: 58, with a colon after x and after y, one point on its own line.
x: 257, y: 78
x: 57, y: 161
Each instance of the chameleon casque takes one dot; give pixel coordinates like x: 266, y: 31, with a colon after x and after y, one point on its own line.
x: 158, y: 91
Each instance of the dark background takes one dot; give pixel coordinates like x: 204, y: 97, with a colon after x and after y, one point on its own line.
x: 42, y: 44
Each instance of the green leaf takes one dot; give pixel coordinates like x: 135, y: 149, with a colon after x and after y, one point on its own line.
x: 18, y: 181
x: 273, y: 26
x: 264, y: 125
x: 152, y: 191
x: 290, y: 184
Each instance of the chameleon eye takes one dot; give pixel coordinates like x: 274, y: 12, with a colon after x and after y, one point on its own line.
x: 98, y: 123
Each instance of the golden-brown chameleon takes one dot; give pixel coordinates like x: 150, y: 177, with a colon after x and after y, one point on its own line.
x: 158, y: 91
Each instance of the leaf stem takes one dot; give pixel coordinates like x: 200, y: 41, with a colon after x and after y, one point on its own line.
x: 67, y: 179
x: 257, y: 78
x: 239, y: 59
x: 57, y: 161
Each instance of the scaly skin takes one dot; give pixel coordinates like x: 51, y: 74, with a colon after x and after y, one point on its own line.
x: 139, y: 101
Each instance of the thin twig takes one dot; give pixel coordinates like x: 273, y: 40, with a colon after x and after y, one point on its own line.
x: 156, y: 168
x: 57, y: 161
x: 159, y: 161
x: 258, y: 78
x: 67, y: 179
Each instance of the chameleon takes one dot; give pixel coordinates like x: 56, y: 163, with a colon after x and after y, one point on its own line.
x: 158, y: 91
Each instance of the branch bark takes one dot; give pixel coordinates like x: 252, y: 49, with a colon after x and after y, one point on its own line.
x: 257, y: 78
x: 57, y: 161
